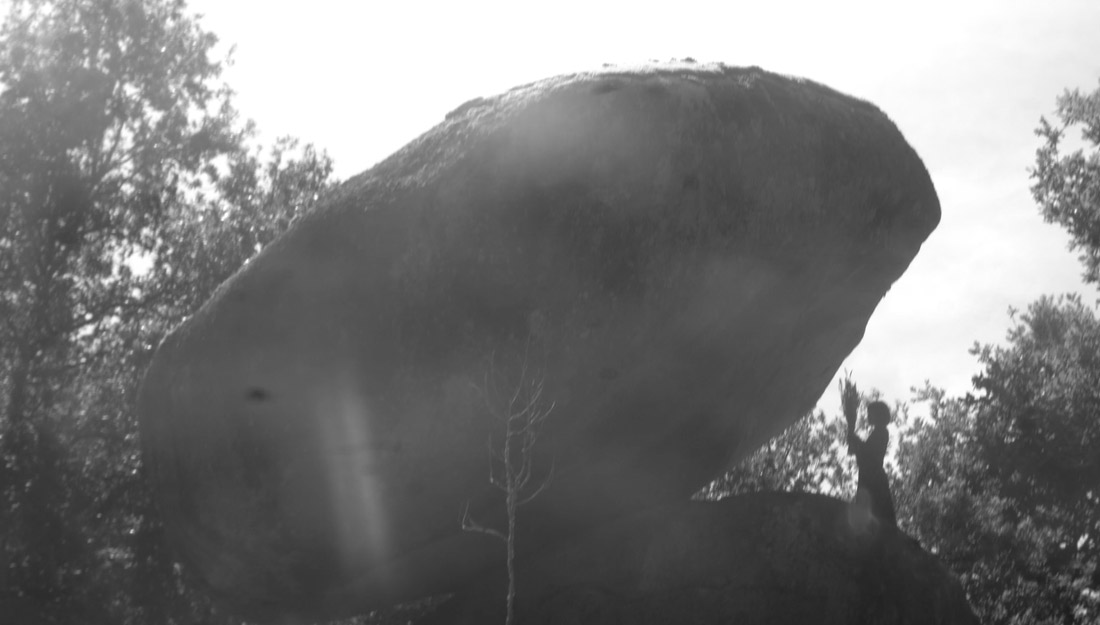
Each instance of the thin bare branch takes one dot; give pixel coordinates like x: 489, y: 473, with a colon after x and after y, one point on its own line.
x: 519, y: 389
x: 542, y: 486
x: 470, y: 525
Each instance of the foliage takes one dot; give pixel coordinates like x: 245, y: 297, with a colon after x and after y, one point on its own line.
x: 1067, y: 187
x: 1039, y: 417
x: 127, y: 191
x: 807, y: 457
x: 1002, y: 486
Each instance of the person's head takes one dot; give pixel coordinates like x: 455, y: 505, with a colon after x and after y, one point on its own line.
x: 878, y: 413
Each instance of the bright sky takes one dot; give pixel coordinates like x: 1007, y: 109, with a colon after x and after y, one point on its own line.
x: 965, y: 81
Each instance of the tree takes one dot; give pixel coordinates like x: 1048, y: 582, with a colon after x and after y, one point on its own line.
x: 947, y: 502
x: 521, y: 410
x: 1039, y: 409
x: 1003, y: 485
x: 103, y: 117
x: 1067, y: 188
x: 127, y: 191
x: 807, y: 457
x: 204, y: 242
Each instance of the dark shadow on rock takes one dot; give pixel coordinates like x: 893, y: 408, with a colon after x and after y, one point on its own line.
x: 759, y: 558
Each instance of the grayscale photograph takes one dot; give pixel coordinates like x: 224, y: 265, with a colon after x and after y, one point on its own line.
x: 581, y: 313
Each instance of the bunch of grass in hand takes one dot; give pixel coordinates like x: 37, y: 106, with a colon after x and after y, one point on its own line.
x: 849, y: 401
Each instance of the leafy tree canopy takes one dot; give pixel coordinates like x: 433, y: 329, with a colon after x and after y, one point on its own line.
x: 1003, y: 485
x: 807, y: 457
x: 129, y: 188
x: 1067, y: 186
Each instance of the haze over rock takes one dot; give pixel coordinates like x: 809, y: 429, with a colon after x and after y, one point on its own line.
x: 685, y: 254
x: 758, y: 558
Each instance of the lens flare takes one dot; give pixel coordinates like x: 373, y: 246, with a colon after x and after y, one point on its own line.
x: 352, y: 476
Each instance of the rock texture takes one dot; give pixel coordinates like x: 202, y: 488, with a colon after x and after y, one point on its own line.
x: 760, y: 558
x: 686, y: 254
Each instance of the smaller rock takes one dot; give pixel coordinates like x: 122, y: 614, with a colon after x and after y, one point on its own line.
x: 759, y: 558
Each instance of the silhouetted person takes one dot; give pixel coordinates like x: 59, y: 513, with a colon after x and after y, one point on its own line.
x: 869, y: 455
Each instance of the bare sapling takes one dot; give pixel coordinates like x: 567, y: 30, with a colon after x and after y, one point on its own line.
x: 521, y: 413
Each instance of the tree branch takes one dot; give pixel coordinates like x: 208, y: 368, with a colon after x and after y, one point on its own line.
x: 470, y: 525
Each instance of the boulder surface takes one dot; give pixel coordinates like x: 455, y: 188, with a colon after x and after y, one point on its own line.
x: 761, y: 558
x: 683, y: 254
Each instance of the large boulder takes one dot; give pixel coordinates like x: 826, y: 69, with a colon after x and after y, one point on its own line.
x: 684, y: 254
x: 761, y: 558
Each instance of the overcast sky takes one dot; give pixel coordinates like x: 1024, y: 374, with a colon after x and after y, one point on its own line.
x: 966, y: 82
